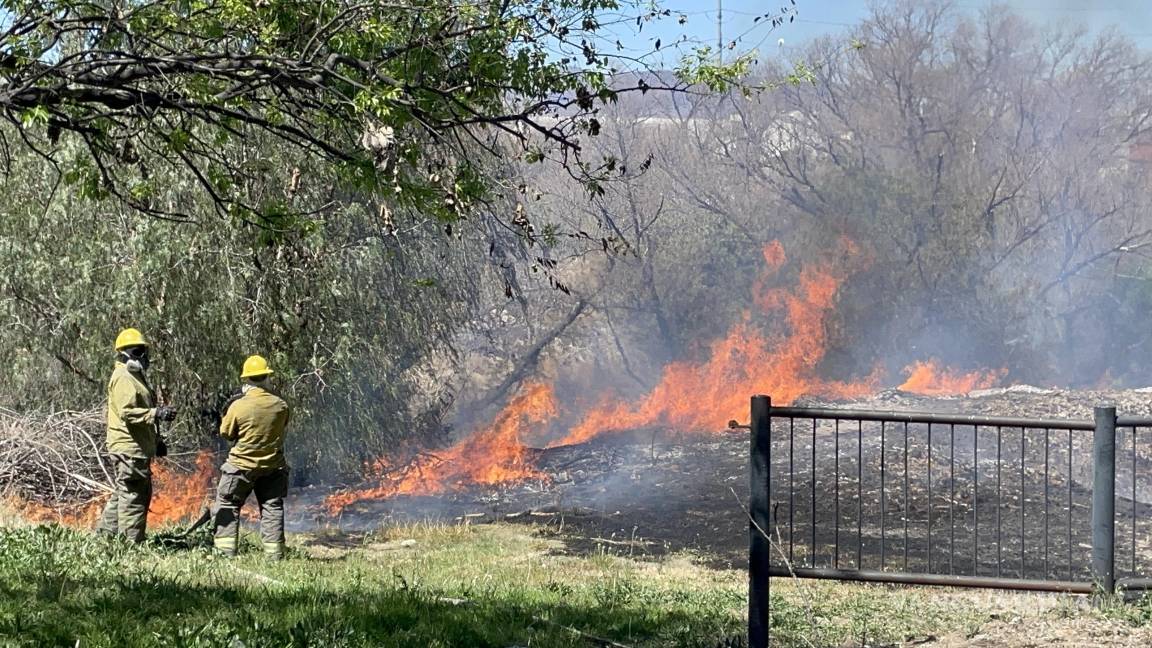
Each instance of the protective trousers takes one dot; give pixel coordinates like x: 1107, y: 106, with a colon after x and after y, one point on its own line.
x: 235, y: 485
x: 127, y: 510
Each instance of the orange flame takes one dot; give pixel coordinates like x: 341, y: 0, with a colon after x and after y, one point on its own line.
x: 83, y: 514
x: 689, y: 395
x: 701, y: 396
x: 930, y: 379
x: 177, y: 496
x: 492, y: 456
x: 774, y: 255
x: 180, y: 496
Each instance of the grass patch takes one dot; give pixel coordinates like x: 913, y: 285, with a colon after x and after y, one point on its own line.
x: 430, y: 585
x: 413, y: 586
x: 826, y: 613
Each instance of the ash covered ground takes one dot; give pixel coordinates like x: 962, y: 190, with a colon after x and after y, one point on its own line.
x: 652, y: 491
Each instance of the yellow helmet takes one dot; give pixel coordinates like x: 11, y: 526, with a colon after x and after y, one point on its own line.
x: 130, y: 337
x: 255, y: 367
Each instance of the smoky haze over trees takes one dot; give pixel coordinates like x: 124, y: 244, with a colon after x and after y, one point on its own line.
x: 992, y: 175
x: 331, y: 184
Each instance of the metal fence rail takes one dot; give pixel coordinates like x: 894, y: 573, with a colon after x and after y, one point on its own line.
x: 1133, y: 541
x: 942, y: 499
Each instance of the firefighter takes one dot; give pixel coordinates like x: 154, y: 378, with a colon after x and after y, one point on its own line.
x: 132, y: 438
x: 254, y: 424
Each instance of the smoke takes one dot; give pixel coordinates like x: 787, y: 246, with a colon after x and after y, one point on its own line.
x: 1132, y: 16
x: 957, y: 204
x: 986, y: 157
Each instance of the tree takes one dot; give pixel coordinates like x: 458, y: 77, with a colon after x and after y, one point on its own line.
x: 352, y: 318
x: 403, y: 98
x: 984, y: 165
x: 338, y: 185
x: 993, y: 175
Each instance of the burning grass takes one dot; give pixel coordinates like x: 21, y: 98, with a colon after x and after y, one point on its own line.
x: 491, y: 456
x: 690, y: 395
x: 929, y: 378
x: 775, y: 349
x: 53, y: 469
x: 179, y: 493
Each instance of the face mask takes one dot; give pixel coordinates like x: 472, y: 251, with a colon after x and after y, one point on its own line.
x: 136, y: 360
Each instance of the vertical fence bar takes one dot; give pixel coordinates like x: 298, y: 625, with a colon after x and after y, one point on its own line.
x: 1070, y: 504
x: 836, y: 515
x: 812, y: 486
x: 859, y: 494
x: 906, y: 496
x: 999, y: 503
x: 1047, y: 434
x: 791, y: 488
x: 1133, y: 574
x: 759, y: 506
x: 1104, y: 499
x: 929, y: 498
x: 975, y: 500
x: 1023, y: 492
x: 883, y: 495
x: 952, y: 498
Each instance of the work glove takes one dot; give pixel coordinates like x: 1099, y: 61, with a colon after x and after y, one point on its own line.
x: 161, y: 447
x: 165, y: 413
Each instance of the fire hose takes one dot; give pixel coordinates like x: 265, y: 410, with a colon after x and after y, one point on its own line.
x: 214, y: 416
x: 205, y: 516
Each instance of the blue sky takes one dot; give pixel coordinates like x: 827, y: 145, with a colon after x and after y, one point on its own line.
x: 819, y: 17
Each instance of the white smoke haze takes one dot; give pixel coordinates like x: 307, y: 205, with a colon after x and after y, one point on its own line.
x: 1133, y: 16
x: 973, y: 180
x: 989, y: 162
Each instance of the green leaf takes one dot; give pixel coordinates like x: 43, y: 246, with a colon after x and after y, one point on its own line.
x: 34, y: 117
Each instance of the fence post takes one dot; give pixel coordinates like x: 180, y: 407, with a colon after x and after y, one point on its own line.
x: 759, y: 506
x: 1104, y: 499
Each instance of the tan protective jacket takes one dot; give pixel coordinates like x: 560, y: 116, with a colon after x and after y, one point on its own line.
x: 131, y: 415
x: 256, y: 422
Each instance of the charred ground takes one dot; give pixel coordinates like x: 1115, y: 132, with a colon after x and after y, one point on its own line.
x: 651, y: 491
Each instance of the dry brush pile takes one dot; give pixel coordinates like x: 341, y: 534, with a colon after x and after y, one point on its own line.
x: 53, y: 465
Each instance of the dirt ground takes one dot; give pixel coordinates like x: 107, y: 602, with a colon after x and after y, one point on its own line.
x: 651, y: 492
x: 641, y: 499
x: 1025, y: 620
x: 656, y: 490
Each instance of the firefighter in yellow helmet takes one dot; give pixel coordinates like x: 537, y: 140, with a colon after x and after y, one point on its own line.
x: 132, y: 438
x: 255, y: 425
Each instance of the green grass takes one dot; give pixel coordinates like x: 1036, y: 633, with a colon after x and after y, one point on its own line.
x: 426, y: 585
x: 456, y: 586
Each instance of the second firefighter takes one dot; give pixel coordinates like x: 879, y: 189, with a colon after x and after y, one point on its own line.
x: 254, y: 424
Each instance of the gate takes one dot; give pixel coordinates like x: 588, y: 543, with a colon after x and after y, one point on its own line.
x: 944, y: 499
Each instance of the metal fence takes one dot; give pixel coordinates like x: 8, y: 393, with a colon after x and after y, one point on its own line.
x: 942, y: 499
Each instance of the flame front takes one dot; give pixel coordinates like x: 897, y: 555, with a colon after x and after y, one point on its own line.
x: 690, y: 396
x: 492, y: 456
x: 930, y: 379
x: 177, y: 496
x: 744, y: 362
x: 81, y: 515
